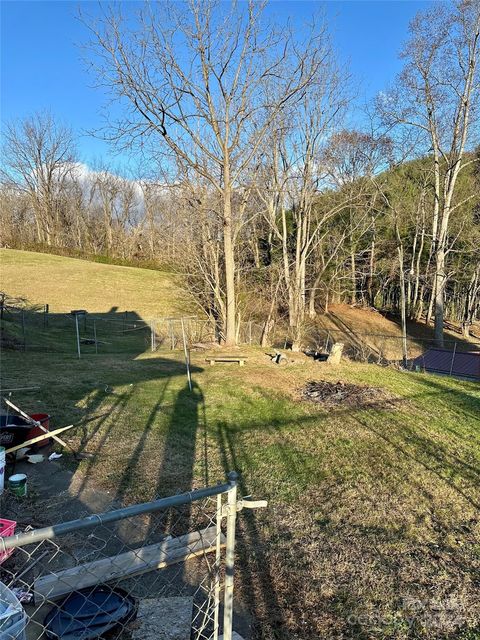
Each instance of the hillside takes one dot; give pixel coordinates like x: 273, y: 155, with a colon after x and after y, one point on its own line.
x: 368, y: 332
x: 70, y: 283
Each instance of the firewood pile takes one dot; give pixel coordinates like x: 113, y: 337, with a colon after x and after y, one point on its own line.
x: 345, y: 393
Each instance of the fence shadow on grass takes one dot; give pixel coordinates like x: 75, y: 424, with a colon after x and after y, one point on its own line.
x: 157, y: 446
x: 95, y: 392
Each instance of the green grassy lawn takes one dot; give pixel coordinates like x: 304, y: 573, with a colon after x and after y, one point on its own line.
x: 370, y: 508
x: 373, y: 526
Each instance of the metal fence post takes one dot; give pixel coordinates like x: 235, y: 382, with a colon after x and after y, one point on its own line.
x: 153, y: 337
x: 453, y: 358
x: 77, y: 334
x: 230, y: 557
x: 95, y: 335
x: 218, y: 556
x: 24, y: 331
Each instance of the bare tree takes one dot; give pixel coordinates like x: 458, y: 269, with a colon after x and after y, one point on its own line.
x: 209, y: 107
x: 438, y: 95
x: 38, y: 159
x: 301, y: 203
x: 351, y: 159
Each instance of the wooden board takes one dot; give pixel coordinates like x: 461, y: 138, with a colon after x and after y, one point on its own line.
x: 130, y: 563
x: 51, y: 434
x: 224, y: 358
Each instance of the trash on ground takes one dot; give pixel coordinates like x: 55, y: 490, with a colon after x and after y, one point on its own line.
x: 2, y: 469
x: 332, y: 356
x: 54, y: 456
x: 91, y: 613
x: 22, y: 453
x: 14, y: 431
x: 318, y: 356
x: 18, y: 485
x: 23, y: 596
x: 278, y: 358
x: 13, y: 618
x: 35, y: 458
x: 345, y: 393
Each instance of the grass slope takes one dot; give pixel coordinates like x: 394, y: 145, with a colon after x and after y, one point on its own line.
x: 367, y: 329
x: 372, y: 529
x: 70, y: 283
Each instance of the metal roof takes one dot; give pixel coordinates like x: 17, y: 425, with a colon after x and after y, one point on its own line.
x: 456, y: 363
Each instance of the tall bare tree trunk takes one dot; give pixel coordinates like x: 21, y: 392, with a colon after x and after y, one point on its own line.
x: 439, y: 295
x: 403, y: 304
x: 230, y: 333
x: 353, y: 275
x: 371, y: 267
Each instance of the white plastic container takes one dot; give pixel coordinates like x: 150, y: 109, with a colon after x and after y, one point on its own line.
x: 2, y: 469
x: 13, y: 619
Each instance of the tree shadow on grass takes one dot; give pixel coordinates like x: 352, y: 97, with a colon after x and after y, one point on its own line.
x: 432, y: 456
x: 467, y: 402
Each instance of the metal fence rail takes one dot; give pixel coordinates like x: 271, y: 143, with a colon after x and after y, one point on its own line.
x: 170, y: 559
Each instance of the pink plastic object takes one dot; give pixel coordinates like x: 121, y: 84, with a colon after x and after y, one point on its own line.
x: 7, y: 528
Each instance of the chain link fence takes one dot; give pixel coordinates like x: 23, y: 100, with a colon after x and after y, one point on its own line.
x: 35, y: 328
x: 162, y: 569
x: 175, y: 333
x: 380, y: 348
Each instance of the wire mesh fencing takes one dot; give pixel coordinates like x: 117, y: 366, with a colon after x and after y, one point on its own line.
x: 170, y: 334
x: 164, y: 566
x: 37, y: 329
x: 386, y: 349
x: 79, y: 332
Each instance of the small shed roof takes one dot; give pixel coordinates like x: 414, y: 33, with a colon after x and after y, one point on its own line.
x: 465, y: 364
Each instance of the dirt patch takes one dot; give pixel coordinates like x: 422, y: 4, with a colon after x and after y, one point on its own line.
x: 346, y: 394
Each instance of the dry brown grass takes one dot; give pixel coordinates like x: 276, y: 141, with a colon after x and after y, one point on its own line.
x: 70, y: 283
x: 371, y: 335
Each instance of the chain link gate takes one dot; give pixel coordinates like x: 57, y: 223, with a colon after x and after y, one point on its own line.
x: 170, y: 557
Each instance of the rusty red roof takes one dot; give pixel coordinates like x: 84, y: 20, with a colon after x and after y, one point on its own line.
x: 456, y: 363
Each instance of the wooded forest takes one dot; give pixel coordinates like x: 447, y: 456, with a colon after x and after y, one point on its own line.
x: 251, y: 184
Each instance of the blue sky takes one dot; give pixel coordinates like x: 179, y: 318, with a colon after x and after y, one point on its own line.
x: 42, y: 67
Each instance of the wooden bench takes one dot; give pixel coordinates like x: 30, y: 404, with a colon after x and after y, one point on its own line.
x: 226, y: 358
